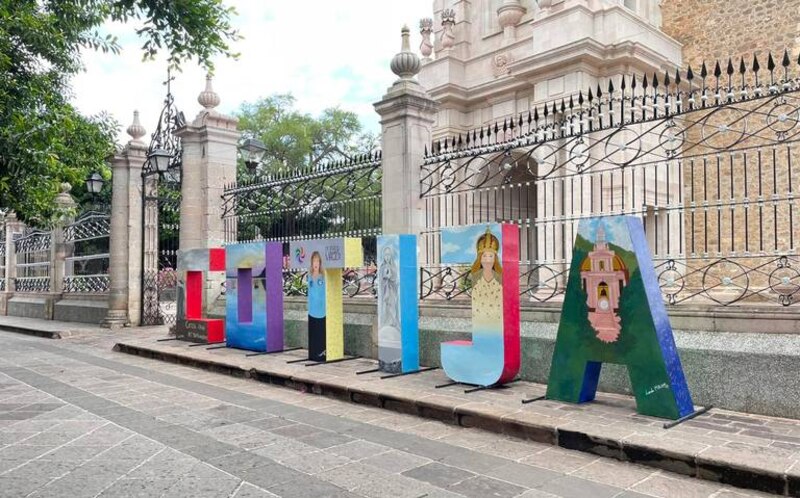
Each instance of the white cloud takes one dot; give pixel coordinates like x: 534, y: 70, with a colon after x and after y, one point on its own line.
x: 448, y: 247
x: 325, y: 53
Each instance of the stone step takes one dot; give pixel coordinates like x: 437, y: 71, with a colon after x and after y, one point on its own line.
x: 748, y: 451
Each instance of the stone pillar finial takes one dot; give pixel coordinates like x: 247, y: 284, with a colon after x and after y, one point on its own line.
x: 405, y: 64
x: 448, y: 21
x: 509, y: 15
x: 208, y: 98
x: 64, y: 199
x: 136, y: 130
x: 426, y: 29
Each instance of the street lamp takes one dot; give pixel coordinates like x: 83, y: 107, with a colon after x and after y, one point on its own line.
x: 159, y: 160
x: 252, y: 151
x: 94, y: 183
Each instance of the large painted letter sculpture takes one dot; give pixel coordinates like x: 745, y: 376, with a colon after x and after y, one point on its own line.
x: 493, y: 355
x: 398, y: 311
x: 324, y: 259
x: 613, y: 312
x: 192, y: 267
x: 254, y: 296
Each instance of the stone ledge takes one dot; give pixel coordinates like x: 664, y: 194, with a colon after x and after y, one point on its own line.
x: 646, y: 445
x: 36, y: 332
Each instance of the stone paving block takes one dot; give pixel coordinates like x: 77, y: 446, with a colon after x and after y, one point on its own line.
x: 395, y: 461
x: 314, y: 463
x: 663, y: 486
x: 618, y: 474
x: 358, y: 449
x: 240, y: 462
x: 69, y: 486
x: 269, y: 423
x: 247, y: 490
x: 471, y: 438
x: 559, y: 460
x: 270, y: 475
x: 482, y: 486
x: 523, y: 475
x: 438, y: 474
x: 296, y: 431
x: 307, y: 487
x: 194, y: 487
x: 396, y: 486
x: 74, y: 453
x: 211, y: 450
x: 21, y: 485
x: 139, y: 488
x: 353, y: 475
x: 47, y: 468
x: 573, y: 487
x: 325, y: 439
x: 23, y: 451
x: 285, y: 448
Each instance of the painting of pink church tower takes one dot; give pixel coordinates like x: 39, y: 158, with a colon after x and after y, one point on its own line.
x: 604, y: 275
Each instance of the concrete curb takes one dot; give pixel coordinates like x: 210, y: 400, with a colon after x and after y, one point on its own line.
x: 47, y: 334
x: 641, y: 449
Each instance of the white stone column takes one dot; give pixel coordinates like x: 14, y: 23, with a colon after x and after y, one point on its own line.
x: 407, y: 116
x: 209, y: 163
x: 65, y: 204
x: 14, y: 228
x: 125, y: 244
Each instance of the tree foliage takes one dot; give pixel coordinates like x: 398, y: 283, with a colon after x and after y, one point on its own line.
x: 297, y: 142
x: 44, y: 140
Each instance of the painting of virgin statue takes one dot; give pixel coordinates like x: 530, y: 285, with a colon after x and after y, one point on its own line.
x: 389, y: 337
x: 492, y: 251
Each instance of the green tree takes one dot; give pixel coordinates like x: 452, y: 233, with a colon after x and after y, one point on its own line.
x: 44, y: 140
x: 296, y: 144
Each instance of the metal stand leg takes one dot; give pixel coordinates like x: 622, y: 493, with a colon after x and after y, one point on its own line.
x: 453, y: 383
x: 205, y: 344
x: 531, y: 400
x: 167, y: 339
x: 427, y: 369
x: 262, y: 353
x: 373, y: 370
x: 692, y: 415
x: 333, y: 361
x: 215, y: 347
x: 298, y: 361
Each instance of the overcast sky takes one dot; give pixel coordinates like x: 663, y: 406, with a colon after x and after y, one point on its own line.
x: 326, y: 53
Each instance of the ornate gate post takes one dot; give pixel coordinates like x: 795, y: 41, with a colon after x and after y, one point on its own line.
x: 209, y: 162
x: 407, y: 115
x: 58, y: 248
x: 125, y: 264
x: 13, y: 229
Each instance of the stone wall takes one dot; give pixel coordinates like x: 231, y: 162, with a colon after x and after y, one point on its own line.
x: 712, y: 29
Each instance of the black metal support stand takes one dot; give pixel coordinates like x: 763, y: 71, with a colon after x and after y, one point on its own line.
x: 426, y: 369
x: 262, y: 353
x: 453, y: 383
x: 297, y: 361
x: 167, y: 339
x: 670, y: 425
x: 216, y: 347
x: 493, y: 386
x: 531, y: 400
x: 332, y: 361
x: 205, y: 344
x: 372, y: 370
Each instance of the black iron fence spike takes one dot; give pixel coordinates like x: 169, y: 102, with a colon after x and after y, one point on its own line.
x: 703, y: 70
x: 580, y: 98
x: 770, y: 63
x: 742, y: 67
x: 730, y: 69
x: 590, y: 96
x: 689, y: 74
x: 655, y: 81
x: 756, y: 65
x: 645, y: 83
x: 622, y: 84
x: 633, y: 81
x: 785, y: 62
x: 666, y: 79
x: 717, y: 70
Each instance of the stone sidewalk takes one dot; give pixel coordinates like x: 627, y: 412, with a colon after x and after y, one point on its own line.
x: 48, y: 329
x: 748, y: 451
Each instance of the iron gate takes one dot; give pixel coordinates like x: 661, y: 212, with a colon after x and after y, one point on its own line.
x: 161, y: 201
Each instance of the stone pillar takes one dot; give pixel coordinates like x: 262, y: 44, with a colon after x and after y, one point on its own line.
x: 209, y: 163
x: 407, y: 117
x: 14, y: 229
x: 125, y: 244
x: 65, y: 205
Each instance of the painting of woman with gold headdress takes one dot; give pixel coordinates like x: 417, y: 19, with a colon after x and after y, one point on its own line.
x: 487, y: 278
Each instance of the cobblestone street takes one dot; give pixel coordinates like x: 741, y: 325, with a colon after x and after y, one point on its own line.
x: 79, y: 420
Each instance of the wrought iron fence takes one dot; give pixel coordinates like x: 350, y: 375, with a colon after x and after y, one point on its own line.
x: 706, y: 160
x: 86, y: 269
x: 33, y: 261
x: 338, y: 199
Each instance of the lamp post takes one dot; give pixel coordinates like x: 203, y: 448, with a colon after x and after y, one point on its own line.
x: 252, y: 151
x: 159, y: 160
x: 94, y: 185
